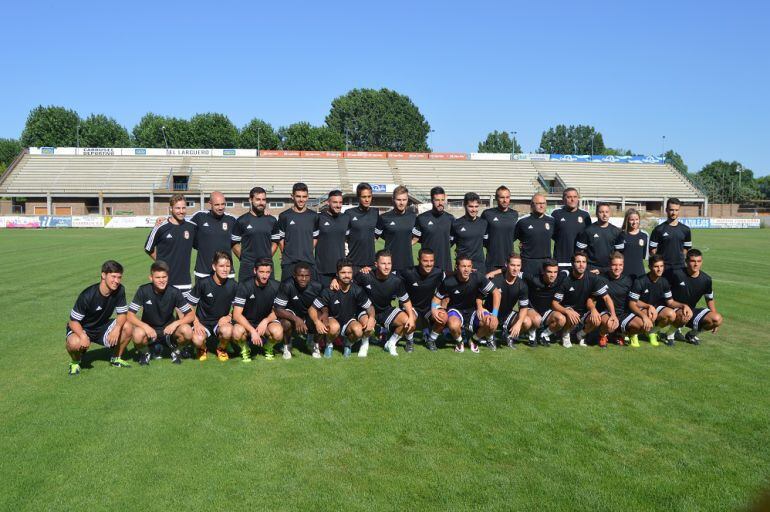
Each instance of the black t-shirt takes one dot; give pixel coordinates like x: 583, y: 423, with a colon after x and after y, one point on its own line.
x: 468, y: 235
x: 290, y: 296
x: 618, y: 290
x: 173, y: 244
x: 297, y: 230
x: 343, y: 306
x: 382, y: 291
x: 212, y: 234
x: 212, y: 300
x: 361, y: 235
x: 93, y: 310
x: 540, y: 294
x: 689, y: 290
x: 655, y: 294
x: 567, y: 226
x: 670, y: 241
x: 635, y: 253
x: 534, y: 236
x: 462, y: 295
x: 396, y: 229
x: 499, y: 240
x: 256, y: 301
x: 256, y: 234
x: 511, y: 294
x: 330, y: 248
x: 574, y: 292
x: 599, y: 242
x: 421, y: 288
x: 433, y: 232
x: 158, y: 308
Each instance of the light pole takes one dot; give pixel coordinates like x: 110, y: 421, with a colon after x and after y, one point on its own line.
x: 513, y: 143
x: 431, y: 140
x: 347, y: 138
x: 592, y: 146
x: 77, y: 138
x: 663, y: 145
x: 258, y: 140
x: 163, y: 131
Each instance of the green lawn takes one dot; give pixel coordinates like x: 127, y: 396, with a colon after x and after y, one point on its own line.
x: 683, y: 428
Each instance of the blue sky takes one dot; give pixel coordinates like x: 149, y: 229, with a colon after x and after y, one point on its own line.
x: 696, y: 72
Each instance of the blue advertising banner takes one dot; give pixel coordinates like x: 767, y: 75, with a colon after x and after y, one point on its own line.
x: 611, y: 159
x: 55, y: 221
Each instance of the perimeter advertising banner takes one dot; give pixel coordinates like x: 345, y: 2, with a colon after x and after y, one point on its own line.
x: 714, y: 223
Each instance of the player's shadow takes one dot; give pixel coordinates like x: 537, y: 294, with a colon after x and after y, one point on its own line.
x: 100, y: 354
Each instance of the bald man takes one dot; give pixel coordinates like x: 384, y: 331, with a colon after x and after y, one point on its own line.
x: 534, y: 232
x: 214, y: 228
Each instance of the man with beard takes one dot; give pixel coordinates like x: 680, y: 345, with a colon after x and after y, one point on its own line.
x: 295, y: 296
x: 568, y: 222
x: 395, y: 227
x: 255, y: 234
x: 421, y: 282
x: 332, y: 230
x: 501, y: 222
x: 542, y: 287
x: 513, y: 291
x: 361, y: 229
x: 469, y: 232
x: 432, y: 229
x: 298, y: 232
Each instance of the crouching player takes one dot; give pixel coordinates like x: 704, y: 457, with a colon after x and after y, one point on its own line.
x: 345, y: 312
x: 90, y: 319
x: 212, y: 297
x: 291, y: 304
x: 465, y: 291
x: 651, y: 301
x: 542, y: 289
x: 690, y: 285
x: 166, y: 315
x: 513, y: 290
x: 421, y: 282
x: 618, y: 285
x: 253, y: 312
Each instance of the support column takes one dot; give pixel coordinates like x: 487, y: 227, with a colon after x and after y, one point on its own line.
x: 706, y: 207
x: 202, y: 201
x: 101, y: 204
x: 152, y: 202
x: 623, y: 204
x: 48, y: 203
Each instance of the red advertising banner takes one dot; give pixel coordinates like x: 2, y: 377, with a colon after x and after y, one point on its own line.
x: 322, y: 154
x: 366, y: 154
x: 408, y: 156
x: 448, y: 156
x: 279, y: 153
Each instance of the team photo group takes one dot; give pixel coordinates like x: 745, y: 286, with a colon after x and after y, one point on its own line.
x: 570, y: 279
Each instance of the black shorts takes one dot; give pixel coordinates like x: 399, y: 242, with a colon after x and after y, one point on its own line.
x: 345, y: 322
x: 510, y: 319
x: 310, y: 325
x: 97, y: 335
x: 385, y: 317
x: 698, y: 314
x: 424, y: 317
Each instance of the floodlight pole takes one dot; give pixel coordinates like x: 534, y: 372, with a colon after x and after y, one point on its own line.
x: 163, y: 131
x: 258, y: 140
x: 431, y: 140
x: 513, y: 143
x: 663, y: 145
x: 77, y: 137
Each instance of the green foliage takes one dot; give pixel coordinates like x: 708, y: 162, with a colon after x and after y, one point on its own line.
x: 675, y: 159
x: 572, y: 140
x: 100, y: 131
x: 9, y: 150
x: 499, y: 142
x: 763, y: 184
x: 212, y: 130
x: 303, y: 136
x: 50, y: 126
x: 378, y: 120
x: 258, y: 134
x: 724, y: 184
x: 617, y: 152
x: 149, y: 134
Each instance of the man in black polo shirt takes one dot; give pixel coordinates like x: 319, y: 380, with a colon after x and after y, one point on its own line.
x: 599, y: 240
x: 255, y: 234
x: 253, y: 314
x: 172, y: 241
x: 298, y: 232
x: 395, y: 227
x: 213, y: 232
x: 501, y: 223
x: 421, y: 282
x: 671, y: 239
x: 513, y: 291
x: 568, y: 222
x: 689, y: 286
x: 618, y: 285
x: 291, y: 304
x: 542, y: 287
x: 534, y: 231
x: 432, y: 229
x: 333, y: 228
x: 361, y: 229
x: 469, y: 232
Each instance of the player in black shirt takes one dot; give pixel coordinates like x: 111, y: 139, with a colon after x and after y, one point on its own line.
x: 295, y: 296
x: 172, y: 241
x: 298, y: 232
x: 255, y: 234
x: 534, y: 231
x: 513, y: 291
x: 333, y: 229
x: 618, y: 285
x: 501, y: 222
x: 212, y: 298
x: 341, y: 313
x: 635, y: 245
x: 569, y: 222
x: 253, y: 315
x: 90, y: 319
x: 576, y: 301
x: 395, y: 227
x: 361, y: 230
x: 462, y: 294
x: 599, y: 240
x: 469, y: 232
x: 671, y: 238
x: 213, y: 232
x: 432, y: 229
x: 421, y: 282
x: 542, y: 287
x: 688, y: 287
x: 166, y: 315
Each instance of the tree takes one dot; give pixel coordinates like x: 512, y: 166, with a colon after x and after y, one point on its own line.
x: 149, y: 132
x: 212, y: 130
x: 303, y: 136
x: 9, y: 150
x: 676, y: 160
x: 617, y: 152
x: 499, y: 142
x: 763, y: 184
x: 100, y: 131
x: 258, y: 134
x: 579, y: 140
x: 724, y: 184
x: 383, y: 120
x: 50, y: 126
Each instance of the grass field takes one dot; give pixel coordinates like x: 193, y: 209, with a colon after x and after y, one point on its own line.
x: 683, y: 428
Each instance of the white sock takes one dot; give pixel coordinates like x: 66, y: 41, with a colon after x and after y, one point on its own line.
x: 581, y: 334
x: 433, y: 336
x: 410, y: 336
x: 459, y: 339
x: 532, y: 335
x: 547, y: 331
x: 393, y: 339
x: 565, y: 336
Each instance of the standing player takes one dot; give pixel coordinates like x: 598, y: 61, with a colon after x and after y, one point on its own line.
x: 534, y: 231
x: 599, y: 240
x: 291, y: 304
x: 253, y: 312
x: 90, y: 319
x: 395, y: 227
x: 569, y: 222
x: 363, y: 222
x: 421, y: 282
x: 635, y: 245
x: 172, y: 242
x: 212, y: 297
x: 166, y: 315
x: 688, y: 287
x: 513, y: 291
x: 255, y: 234
x: 469, y: 232
x: 501, y: 222
x: 671, y: 239
x: 618, y: 285
x: 213, y: 232
x: 462, y: 293
x: 542, y: 287
x: 298, y: 231
x: 432, y: 228
x: 332, y: 231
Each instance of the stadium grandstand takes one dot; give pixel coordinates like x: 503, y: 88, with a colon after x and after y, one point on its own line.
x: 134, y: 181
